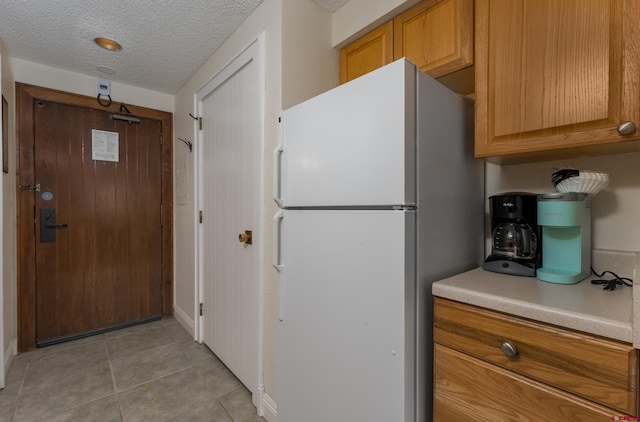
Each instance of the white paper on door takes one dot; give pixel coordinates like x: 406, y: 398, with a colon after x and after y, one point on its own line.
x: 104, y: 145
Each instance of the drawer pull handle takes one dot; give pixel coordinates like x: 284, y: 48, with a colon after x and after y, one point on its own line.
x: 509, y: 349
x: 626, y: 128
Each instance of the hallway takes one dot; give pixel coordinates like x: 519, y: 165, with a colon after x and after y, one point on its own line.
x: 149, y: 372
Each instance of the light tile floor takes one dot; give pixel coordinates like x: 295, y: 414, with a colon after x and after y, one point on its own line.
x: 150, y: 372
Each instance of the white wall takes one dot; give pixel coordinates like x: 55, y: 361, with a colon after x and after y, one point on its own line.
x: 8, y: 328
x: 310, y: 65
x: 78, y: 83
x: 615, y: 210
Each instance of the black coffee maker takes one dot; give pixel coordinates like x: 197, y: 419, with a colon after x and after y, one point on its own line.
x: 515, y: 236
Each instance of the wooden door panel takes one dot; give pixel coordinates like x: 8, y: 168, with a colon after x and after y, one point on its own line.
x: 436, y: 35
x: 554, y: 74
x: 105, y: 268
x: 368, y: 53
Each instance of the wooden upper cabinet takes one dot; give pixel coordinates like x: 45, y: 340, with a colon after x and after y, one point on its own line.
x: 555, y: 74
x: 368, y: 53
x: 436, y: 35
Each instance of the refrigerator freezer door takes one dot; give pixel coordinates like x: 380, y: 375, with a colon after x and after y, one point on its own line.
x: 346, y: 333
x: 351, y: 146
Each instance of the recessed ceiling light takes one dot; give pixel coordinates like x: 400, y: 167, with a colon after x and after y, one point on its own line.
x: 105, y: 69
x: 108, y: 43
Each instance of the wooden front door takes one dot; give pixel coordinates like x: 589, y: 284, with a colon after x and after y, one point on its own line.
x: 97, y: 234
x: 98, y: 250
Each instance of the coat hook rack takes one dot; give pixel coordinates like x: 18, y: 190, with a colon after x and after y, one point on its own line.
x: 188, y: 143
x: 193, y: 117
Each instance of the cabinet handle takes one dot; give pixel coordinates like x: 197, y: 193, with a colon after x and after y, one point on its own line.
x: 626, y: 128
x: 509, y: 349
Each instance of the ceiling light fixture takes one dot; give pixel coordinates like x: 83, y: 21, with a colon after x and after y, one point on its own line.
x: 108, y: 43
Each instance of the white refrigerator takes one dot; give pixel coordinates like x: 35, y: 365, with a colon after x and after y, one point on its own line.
x: 379, y: 196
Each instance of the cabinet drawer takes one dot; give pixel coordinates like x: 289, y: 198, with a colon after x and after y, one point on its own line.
x: 468, y: 389
x: 598, y: 369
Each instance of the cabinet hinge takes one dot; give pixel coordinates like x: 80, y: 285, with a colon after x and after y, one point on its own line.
x: 200, y: 309
x: 200, y: 122
x: 200, y: 216
x: 161, y: 215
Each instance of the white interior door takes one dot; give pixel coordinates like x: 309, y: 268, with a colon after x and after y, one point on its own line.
x: 230, y: 199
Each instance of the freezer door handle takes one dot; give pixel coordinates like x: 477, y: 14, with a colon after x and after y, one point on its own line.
x: 277, y: 264
x: 277, y: 166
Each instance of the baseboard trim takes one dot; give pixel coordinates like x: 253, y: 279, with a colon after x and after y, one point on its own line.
x: 269, y: 408
x: 10, y: 352
x: 184, y: 320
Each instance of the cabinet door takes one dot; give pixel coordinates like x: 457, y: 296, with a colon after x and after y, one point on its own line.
x: 555, y: 74
x: 436, y: 35
x: 368, y: 53
x: 467, y: 389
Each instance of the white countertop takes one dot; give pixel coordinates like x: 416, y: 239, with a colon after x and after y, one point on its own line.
x: 582, y: 306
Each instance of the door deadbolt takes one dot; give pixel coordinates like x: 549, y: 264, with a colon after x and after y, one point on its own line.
x: 245, y: 237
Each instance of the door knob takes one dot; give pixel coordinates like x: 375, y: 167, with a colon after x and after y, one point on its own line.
x: 245, y: 237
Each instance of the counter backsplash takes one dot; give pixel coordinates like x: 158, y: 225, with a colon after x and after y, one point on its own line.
x: 623, y: 263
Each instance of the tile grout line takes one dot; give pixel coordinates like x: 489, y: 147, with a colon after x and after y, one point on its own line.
x: 154, y: 379
x: 213, y: 393
x: 113, y: 380
x: 19, y: 392
x: 143, y: 351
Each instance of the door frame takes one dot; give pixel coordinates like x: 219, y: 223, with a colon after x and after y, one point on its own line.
x: 26, y: 257
x: 254, y: 51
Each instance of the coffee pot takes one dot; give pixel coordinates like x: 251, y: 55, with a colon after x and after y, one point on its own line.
x: 515, y: 245
x: 514, y: 240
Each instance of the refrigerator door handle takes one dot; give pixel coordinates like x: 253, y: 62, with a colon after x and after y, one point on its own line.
x: 277, y: 166
x: 277, y: 264
x: 277, y: 224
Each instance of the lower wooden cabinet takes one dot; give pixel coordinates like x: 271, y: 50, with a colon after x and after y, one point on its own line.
x: 469, y: 389
x: 492, y: 366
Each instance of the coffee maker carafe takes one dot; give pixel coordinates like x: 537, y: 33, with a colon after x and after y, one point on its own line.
x: 515, y: 235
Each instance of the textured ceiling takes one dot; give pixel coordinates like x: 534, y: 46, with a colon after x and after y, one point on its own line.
x: 331, y: 5
x: 164, y: 41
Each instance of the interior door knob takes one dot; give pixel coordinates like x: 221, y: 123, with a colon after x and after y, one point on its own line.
x: 245, y: 237
x: 626, y: 128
